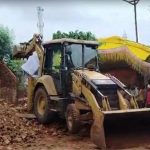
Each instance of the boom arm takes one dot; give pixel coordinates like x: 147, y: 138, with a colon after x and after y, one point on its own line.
x: 24, y: 50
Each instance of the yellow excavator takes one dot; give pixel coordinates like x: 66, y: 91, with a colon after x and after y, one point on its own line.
x: 69, y: 83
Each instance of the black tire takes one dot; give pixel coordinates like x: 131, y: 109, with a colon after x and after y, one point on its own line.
x: 42, y: 107
x: 72, y: 119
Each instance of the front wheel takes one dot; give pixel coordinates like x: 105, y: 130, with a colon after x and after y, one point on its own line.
x: 41, y: 106
x: 72, y: 118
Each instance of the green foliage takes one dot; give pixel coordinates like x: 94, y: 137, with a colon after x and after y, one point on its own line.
x: 5, y: 42
x: 74, y: 35
x: 15, y: 66
x: 6, y: 45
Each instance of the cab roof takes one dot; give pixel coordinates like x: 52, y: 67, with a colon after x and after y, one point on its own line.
x: 22, y: 54
x: 76, y: 41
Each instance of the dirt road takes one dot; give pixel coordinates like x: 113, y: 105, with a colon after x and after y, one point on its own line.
x: 24, y: 134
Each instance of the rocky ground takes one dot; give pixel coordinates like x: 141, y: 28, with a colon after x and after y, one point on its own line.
x: 22, y: 132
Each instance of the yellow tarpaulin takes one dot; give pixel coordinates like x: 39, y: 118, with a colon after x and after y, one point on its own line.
x: 115, y: 49
x: 139, y: 50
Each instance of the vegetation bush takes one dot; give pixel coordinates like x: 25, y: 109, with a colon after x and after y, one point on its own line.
x: 74, y: 35
x: 6, y: 46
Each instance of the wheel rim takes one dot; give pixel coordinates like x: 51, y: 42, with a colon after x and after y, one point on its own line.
x: 41, y: 105
x: 69, y: 121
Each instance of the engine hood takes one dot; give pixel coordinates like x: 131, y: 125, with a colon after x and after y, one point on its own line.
x: 91, y: 75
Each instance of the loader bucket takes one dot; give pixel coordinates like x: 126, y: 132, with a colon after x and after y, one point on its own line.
x: 97, y: 133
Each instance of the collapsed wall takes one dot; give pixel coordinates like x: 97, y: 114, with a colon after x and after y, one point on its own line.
x: 8, y: 84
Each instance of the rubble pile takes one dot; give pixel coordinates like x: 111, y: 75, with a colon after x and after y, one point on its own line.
x: 16, y: 129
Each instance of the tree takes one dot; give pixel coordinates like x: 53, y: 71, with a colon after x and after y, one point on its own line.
x: 6, y: 45
x: 15, y: 66
x: 74, y: 35
x: 6, y: 42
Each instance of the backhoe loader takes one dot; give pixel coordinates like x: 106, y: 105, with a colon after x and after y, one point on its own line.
x: 70, y: 84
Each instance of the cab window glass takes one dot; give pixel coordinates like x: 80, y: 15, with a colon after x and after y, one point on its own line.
x: 52, y: 59
x: 56, y: 60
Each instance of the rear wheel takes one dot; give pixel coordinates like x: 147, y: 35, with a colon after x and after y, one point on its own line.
x: 72, y: 118
x: 41, y: 106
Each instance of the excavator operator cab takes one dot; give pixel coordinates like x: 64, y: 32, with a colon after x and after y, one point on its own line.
x: 62, y: 56
x: 52, y: 59
x: 81, y: 55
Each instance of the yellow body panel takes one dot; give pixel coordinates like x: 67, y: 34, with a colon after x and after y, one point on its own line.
x: 48, y: 83
x: 97, y: 129
x: 76, y: 85
x: 122, y: 101
x: 30, y: 91
x: 92, y: 74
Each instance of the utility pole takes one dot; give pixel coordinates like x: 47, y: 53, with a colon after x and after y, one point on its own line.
x: 134, y: 3
x: 40, y: 23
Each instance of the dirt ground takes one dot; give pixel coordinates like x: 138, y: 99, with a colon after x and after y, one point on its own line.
x: 19, y: 133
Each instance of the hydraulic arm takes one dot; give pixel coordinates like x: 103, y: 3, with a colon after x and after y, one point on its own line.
x: 24, y: 50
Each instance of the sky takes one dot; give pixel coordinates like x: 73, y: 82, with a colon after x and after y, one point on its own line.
x: 104, y: 18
